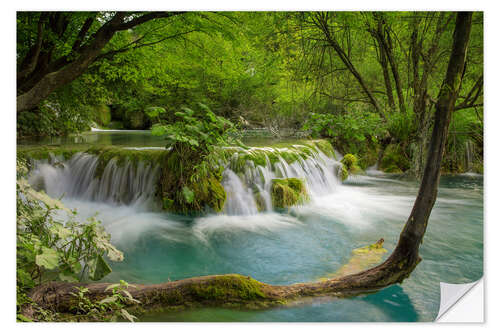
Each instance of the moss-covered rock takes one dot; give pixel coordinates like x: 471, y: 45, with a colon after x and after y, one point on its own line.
x: 288, y: 192
x: 369, y: 157
x: 349, y: 166
x: 394, y: 160
x: 189, y: 184
x: 121, y: 156
x: 343, y: 173
x: 259, y: 201
x: 325, y: 147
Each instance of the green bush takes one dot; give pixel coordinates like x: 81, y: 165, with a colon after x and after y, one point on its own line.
x: 355, y: 130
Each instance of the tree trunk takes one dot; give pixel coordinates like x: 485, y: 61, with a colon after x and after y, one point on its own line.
x: 384, y: 65
x: 395, y: 73
x: 239, y: 290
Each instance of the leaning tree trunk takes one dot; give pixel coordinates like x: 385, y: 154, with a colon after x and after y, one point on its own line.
x: 239, y: 290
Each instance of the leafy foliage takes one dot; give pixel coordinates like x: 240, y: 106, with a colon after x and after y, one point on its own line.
x: 192, y: 172
x: 109, y: 308
x: 348, y: 131
x: 199, y: 130
x: 49, y: 249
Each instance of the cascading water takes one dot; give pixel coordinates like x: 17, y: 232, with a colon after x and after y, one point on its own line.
x: 127, y: 183
x: 318, y: 170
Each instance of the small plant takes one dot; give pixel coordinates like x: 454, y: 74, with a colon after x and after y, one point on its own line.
x: 110, y: 307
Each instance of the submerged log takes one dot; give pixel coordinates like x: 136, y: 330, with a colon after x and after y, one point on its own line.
x: 233, y: 289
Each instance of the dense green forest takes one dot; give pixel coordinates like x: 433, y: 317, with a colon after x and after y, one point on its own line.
x: 367, y: 81
x: 398, y: 92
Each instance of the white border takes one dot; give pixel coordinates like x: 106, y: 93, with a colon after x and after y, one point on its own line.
x: 7, y: 171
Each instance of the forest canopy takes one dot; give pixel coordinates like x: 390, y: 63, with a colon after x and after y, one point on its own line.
x: 365, y: 80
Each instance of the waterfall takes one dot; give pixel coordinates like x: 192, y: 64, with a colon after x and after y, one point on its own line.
x: 469, y: 155
x: 318, y: 170
x: 247, y: 177
x: 126, y: 184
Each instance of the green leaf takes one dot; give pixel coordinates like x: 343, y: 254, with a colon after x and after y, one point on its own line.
x: 193, y: 142
x: 109, y: 299
x: 111, y: 286
x: 60, y: 231
x: 49, y: 258
x: 98, y: 268
x: 127, y: 315
x: 158, y: 130
x: 188, y: 194
x: 154, y: 111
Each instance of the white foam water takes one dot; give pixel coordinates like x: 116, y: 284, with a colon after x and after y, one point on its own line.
x: 135, y: 184
x: 76, y: 178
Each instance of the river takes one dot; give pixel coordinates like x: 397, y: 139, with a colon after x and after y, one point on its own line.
x: 301, y: 244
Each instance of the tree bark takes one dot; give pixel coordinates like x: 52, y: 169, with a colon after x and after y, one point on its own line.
x: 236, y: 289
x: 383, y: 64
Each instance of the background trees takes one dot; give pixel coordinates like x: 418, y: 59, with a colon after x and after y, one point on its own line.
x: 336, y: 73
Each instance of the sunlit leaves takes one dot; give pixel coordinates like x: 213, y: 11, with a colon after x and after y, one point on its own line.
x: 49, y: 258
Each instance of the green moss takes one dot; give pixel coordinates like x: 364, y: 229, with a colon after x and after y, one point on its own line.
x: 349, y: 166
x: 350, y: 161
x: 288, y: 192
x: 325, y: 147
x: 240, y: 159
x: 204, y: 180
x: 290, y: 156
x: 369, y: 158
x: 394, y: 160
x: 210, y: 192
x: 259, y: 201
x: 228, y: 287
x: 343, y: 173
x: 47, y: 152
x: 122, y: 156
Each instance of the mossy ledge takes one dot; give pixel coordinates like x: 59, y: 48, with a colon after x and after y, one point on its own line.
x: 239, y: 158
x: 47, y: 153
